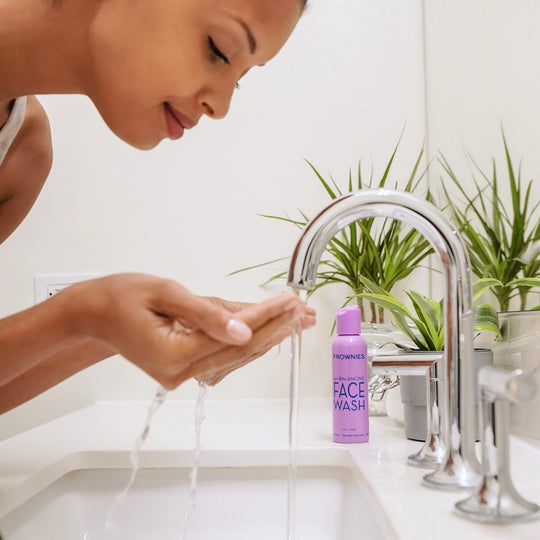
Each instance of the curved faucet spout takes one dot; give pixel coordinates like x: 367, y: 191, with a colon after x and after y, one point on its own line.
x: 460, y: 468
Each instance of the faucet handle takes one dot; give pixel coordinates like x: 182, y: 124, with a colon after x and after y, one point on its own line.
x: 496, y: 500
x: 516, y: 386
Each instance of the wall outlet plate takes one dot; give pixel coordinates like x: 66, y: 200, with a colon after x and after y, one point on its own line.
x: 47, y: 285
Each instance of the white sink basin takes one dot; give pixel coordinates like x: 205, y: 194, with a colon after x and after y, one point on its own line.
x: 237, y: 503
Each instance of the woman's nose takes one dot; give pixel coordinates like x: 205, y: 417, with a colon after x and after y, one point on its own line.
x: 216, y: 103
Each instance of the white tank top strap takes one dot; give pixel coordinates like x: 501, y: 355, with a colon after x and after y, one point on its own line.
x: 11, y: 127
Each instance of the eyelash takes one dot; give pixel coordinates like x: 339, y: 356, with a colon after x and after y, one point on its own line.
x: 216, y: 53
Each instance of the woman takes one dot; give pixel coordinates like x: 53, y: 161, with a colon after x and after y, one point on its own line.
x: 152, y: 69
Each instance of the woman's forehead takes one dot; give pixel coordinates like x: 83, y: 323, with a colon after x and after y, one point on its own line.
x: 269, y: 22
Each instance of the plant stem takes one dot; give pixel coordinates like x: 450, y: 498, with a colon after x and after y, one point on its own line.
x: 373, y: 312
x: 360, y: 303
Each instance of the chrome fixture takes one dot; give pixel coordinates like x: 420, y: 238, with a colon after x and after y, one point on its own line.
x: 460, y: 466
x: 496, y: 499
x: 432, y: 453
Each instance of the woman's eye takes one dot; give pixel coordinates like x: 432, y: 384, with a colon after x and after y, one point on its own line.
x: 216, y: 52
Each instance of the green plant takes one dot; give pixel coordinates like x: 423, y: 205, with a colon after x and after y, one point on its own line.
x: 485, y: 284
x: 427, y: 316
x: 497, y: 236
x: 385, y: 251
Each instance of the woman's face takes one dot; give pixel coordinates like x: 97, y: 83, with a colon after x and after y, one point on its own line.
x: 158, y: 66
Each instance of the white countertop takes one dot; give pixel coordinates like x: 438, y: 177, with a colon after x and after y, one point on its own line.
x: 250, y: 433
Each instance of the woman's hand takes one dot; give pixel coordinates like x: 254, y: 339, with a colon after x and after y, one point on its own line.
x: 174, y: 335
x: 304, y: 321
x: 155, y: 323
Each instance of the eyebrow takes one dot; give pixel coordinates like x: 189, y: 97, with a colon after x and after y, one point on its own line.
x: 249, y: 34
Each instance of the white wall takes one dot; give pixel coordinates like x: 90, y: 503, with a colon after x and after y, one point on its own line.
x: 482, y: 71
x: 342, y: 89
x: 482, y: 75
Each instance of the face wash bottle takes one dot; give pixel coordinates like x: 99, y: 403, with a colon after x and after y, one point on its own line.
x: 350, y: 379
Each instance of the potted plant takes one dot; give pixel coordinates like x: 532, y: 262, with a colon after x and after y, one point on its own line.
x: 385, y: 252
x: 424, y: 327
x: 424, y: 324
x: 498, y: 235
x: 502, y: 241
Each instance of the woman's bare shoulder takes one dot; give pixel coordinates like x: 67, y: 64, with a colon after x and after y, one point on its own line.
x: 25, y: 168
x: 30, y: 155
x: 35, y: 132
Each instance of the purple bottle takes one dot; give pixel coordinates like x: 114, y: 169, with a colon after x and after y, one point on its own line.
x: 350, y: 379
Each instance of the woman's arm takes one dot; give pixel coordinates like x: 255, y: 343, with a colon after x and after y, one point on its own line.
x: 51, y: 371
x: 157, y: 324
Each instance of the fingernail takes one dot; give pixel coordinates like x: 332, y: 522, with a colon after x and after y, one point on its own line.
x: 238, y: 330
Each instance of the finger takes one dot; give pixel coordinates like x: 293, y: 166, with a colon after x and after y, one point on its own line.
x: 231, y: 355
x: 193, y: 311
x: 227, y: 304
x: 282, y: 333
x: 279, y: 335
x: 308, y: 321
x: 182, y: 350
x: 256, y: 315
x: 217, y: 321
x: 217, y: 377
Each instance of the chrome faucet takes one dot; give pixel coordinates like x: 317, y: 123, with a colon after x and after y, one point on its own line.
x: 460, y: 467
x: 496, y: 499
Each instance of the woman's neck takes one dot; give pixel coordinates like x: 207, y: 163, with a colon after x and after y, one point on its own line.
x: 43, y: 46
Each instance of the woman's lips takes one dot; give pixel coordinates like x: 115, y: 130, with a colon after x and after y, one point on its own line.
x: 176, y: 122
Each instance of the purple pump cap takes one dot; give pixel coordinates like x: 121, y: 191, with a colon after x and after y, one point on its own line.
x: 348, y: 321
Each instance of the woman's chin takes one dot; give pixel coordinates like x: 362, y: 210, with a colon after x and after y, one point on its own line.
x: 141, y: 143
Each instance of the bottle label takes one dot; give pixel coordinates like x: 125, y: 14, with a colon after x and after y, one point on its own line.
x: 350, y: 393
x: 349, y: 356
